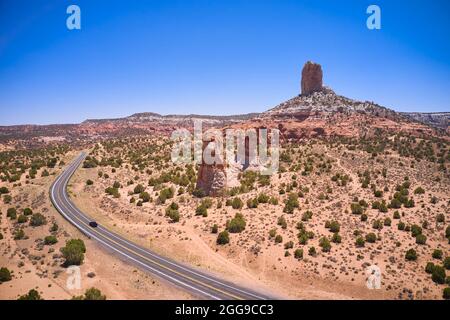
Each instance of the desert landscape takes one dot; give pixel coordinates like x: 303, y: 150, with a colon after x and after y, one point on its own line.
x: 359, y: 187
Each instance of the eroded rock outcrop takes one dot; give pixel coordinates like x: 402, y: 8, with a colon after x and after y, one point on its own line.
x: 311, y: 78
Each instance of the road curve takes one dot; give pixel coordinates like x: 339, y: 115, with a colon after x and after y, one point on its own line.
x: 196, y: 282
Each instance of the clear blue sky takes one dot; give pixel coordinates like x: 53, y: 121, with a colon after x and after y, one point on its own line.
x: 215, y: 57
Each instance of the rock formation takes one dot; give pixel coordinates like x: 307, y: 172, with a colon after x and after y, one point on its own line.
x: 311, y: 78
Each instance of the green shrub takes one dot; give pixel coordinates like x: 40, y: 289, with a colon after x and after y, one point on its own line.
x: 11, y: 213
x: 421, y: 239
x: 139, y: 189
x: 387, y: 222
x: 312, y: 251
x: 37, y: 219
x: 396, y: 215
x: 401, y: 226
x: 440, y: 218
x: 291, y: 203
x: 377, y: 224
x: 5, y: 275
x: 438, y: 274
x: 334, y: 226
x: 336, y: 238
x: 54, y: 227
x: 429, y: 267
x: 356, y: 208
x: 223, y: 238
x: 252, y: 203
x: 446, y: 293
x: 94, y: 294
x: 31, y: 295
x: 298, y: 253
x: 89, y: 182
x: 289, y: 245
x: 325, y: 244
x: 73, y: 252
x: 263, y: 198
x: 237, y: 224
x: 19, y: 234
x: 278, y: 238
x: 22, y: 218
x: 371, y: 237
x: 415, y: 230
x: 282, y: 222
x: 437, y: 254
x: 215, y: 228
x: 364, y: 217
x: 307, y: 215
x: 237, y: 203
x: 360, y: 242
x: 411, y: 255
x: 49, y: 240
x: 201, y: 211
x: 419, y: 190
x: 447, y: 263
x: 27, y: 211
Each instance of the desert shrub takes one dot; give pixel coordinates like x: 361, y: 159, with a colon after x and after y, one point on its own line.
x: 298, y: 253
x: 11, y: 213
x: 112, y: 192
x: 291, y: 203
x: 236, y: 203
x: 5, y: 274
x: 89, y: 182
x: 447, y: 232
x: 54, y: 227
x: 307, y: 215
x: 421, y: 239
x: 263, y: 198
x: 312, y: 251
x: 334, y: 226
x: 49, y: 240
x: 172, y: 212
x: 223, y: 238
x: 27, y: 211
x: 356, y: 208
x: 22, y: 218
x: 387, y: 221
x: 377, y: 224
x: 411, y: 255
x: 438, y: 274
x: 31, y: 295
x: 278, y: 238
x: 145, y: 197
x: 237, y: 224
x: 446, y: 293
x: 440, y: 218
x: 138, y: 189
x: 214, y: 228
x: 289, y: 245
x: 37, y: 219
x: 360, y: 242
x: 415, y: 230
x: 371, y: 237
x: 396, y: 215
x: 364, y: 217
x: 7, y: 199
x: 429, y: 267
x: 19, y: 234
x: 447, y: 263
x: 401, y: 226
x: 252, y: 203
x: 378, y: 193
x: 419, y: 190
x: 199, y: 193
x: 201, y: 211
x: 336, y: 238
x: 272, y: 233
x: 4, y: 190
x: 273, y: 201
x: 73, y: 252
x: 94, y: 294
x: 165, y: 194
x: 282, y: 222
x: 325, y: 244
x: 437, y: 254
x: 1, y: 236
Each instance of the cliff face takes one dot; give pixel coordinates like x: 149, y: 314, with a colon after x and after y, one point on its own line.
x: 439, y: 120
x: 311, y: 78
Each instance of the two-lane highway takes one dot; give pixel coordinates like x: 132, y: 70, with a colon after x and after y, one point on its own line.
x: 194, y: 281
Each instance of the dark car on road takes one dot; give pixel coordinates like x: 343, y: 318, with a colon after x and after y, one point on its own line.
x: 93, y: 224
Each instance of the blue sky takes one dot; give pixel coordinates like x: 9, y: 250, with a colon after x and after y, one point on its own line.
x: 215, y: 57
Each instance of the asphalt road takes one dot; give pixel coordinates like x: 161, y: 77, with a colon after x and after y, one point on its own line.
x: 196, y: 282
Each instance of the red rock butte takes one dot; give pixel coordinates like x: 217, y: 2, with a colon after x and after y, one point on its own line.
x: 311, y: 78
